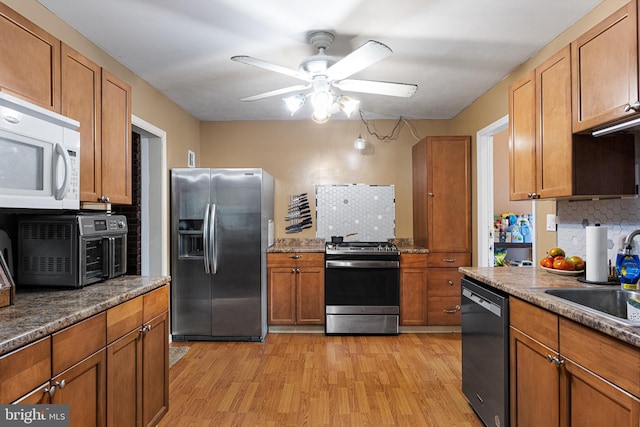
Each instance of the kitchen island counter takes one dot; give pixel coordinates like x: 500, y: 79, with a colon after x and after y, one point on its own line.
x: 529, y: 284
x: 39, y: 312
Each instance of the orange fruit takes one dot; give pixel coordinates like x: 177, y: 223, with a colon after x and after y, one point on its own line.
x: 577, y: 261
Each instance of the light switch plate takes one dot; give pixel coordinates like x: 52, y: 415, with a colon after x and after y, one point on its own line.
x: 551, y: 222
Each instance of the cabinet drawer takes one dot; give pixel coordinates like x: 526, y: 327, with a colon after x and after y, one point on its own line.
x: 605, y: 356
x: 413, y: 260
x: 281, y: 260
x: 444, y: 282
x: 444, y: 311
x: 536, y: 322
x: 310, y: 259
x: 155, y: 303
x: 77, y: 342
x: 24, y: 369
x: 449, y: 259
x: 123, y: 318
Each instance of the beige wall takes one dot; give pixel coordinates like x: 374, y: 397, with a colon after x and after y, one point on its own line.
x: 301, y: 154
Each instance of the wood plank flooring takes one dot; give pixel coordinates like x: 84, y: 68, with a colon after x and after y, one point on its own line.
x: 317, y: 380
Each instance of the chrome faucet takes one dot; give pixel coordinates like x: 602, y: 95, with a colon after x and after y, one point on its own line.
x: 627, y: 244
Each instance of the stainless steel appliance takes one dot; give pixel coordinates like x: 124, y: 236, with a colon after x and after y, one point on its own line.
x: 219, y: 237
x: 362, y: 291
x: 39, y: 157
x: 71, y: 250
x: 485, y: 352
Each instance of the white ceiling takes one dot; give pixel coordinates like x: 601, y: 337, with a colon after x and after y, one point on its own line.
x: 454, y: 50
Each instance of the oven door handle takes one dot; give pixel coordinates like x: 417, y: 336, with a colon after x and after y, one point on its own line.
x: 361, y: 264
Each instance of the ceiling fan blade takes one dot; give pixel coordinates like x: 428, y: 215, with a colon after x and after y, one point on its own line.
x: 271, y: 67
x: 364, y: 56
x: 404, y: 90
x: 276, y: 92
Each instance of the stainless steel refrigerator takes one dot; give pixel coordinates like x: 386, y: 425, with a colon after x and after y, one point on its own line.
x: 219, y: 237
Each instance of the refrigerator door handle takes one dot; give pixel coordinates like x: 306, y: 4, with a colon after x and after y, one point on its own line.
x: 213, y: 252
x: 205, y: 239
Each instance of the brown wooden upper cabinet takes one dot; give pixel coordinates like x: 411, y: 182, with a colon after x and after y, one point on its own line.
x: 29, y: 61
x: 102, y: 104
x: 545, y: 159
x: 605, y: 71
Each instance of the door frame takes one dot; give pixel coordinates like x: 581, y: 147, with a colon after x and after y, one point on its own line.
x: 153, y: 199
x: 484, y: 166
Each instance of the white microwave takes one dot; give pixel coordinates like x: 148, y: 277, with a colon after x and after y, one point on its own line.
x: 39, y: 157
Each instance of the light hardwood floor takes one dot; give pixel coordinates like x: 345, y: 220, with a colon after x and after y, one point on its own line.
x: 317, y: 380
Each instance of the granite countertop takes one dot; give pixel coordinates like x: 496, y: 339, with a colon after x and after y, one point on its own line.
x: 529, y: 283
x: 39, y: 312
x: 405, y: 246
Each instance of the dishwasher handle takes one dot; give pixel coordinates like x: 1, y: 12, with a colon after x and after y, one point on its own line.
x: 482, y: 302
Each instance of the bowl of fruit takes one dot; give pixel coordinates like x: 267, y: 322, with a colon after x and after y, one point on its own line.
x: 556, y: 262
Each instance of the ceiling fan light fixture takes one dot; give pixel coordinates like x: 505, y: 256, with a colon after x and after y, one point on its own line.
x: 295, y: 102
x: 321, y: 115
x: 322, y: 100
x: 348, y: 105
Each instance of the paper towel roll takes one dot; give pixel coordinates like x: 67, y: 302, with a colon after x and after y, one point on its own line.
x: 596, y: 259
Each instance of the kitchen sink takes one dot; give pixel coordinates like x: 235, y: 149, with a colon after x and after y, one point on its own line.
x: 608, y: 302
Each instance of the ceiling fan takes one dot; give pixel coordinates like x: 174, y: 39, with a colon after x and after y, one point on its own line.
x: 321, y: 72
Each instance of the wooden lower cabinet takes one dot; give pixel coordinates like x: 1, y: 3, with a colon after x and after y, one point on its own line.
x: 112, y: 368
x: 413, y: 289
x: 138, y: 361
x: 155, y: 370
x: 83, y: 388
x: 295, y: 289
x: 565, y: 374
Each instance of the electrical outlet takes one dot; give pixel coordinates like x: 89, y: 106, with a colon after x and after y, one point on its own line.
x: 551, y: 222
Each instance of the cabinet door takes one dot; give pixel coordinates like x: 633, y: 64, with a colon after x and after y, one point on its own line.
x: 81, y: 99
x: 29, y: 61
x: 124, y: 381
x: 310, y: 296
x: 116, y: 139
x: 554, y: 160
x: 592, y: 401
x: 413, y: 296
x: 83, y: 388
x: 522, y: 138
x: 535, y: 383
x: 605, y: 70
x: 449, y: 193
x: 281, y: 298
x: 155, y: 370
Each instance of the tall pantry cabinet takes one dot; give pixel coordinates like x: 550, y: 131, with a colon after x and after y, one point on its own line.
x: 441, y: 168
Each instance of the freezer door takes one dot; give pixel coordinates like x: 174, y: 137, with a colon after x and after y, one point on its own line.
x: 237, y: 284
x: 190, y: 284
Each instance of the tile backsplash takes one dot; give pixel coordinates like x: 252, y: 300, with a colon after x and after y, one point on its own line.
x: 620, y: 216
x: 368, y: 210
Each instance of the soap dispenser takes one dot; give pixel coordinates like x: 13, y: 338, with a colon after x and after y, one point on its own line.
x: 628, y: 264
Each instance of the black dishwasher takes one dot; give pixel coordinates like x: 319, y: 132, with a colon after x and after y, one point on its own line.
x: 485, y: 352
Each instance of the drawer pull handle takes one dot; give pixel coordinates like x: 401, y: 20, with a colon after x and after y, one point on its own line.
x: 295, y: 256
x: 449, y: 259
x: 61, y: 384
x: 452, y: 311
x: 555, y: 360
x: 450, y: 282
x: 145, y: 329
x: 50, y: 391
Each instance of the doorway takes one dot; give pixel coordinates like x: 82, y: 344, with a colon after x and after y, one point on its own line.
x: 154, y: 223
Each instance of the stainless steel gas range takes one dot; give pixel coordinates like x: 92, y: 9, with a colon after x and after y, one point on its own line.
x: 362, y: 290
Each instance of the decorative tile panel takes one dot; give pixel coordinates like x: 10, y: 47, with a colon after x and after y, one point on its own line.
x: 620, y: 216
x: 369, y: 210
